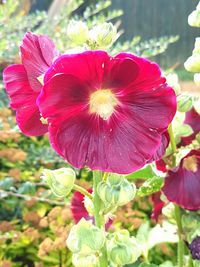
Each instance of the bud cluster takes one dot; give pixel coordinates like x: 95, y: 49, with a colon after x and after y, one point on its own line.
x: 193, y: 63
x: 115, y: 192
x: 85, y: 240
x: 98, y: 37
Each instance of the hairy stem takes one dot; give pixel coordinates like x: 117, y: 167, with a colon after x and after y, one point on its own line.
x: 82, y: 191
x: 99, y: 220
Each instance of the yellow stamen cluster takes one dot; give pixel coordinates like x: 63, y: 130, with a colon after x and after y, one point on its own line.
x: 103, y: 103
x: 190, y: 164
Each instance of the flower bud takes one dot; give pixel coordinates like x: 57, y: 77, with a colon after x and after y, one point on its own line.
x: 197, y: 46
x: 116, y: 191
x: 184, y: 103
x: 104, y: 34
x: 172, y: 80
x: 60, y: 181
x: 82, y: 261
x: 195, y: 248
x: 197, y: 78
x: 85, y: 239
x: 78, y: 32
x: 89, y: 205
x: 194, y: 18
x: 192, y: 64
x: 123, y: 249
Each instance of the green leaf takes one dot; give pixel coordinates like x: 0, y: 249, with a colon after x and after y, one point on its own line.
x: 27, y: 188
x: 145, y: 173
x: 150, y: 186
x: 7, y: 183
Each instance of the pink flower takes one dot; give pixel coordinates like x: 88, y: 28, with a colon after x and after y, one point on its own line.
x: 193, y: 119
x: 182, y: 185
x: 22, y: 84
x: 79, y: 211
x: 158, y: 205
x: 77, y: 207
x: 107, y: 113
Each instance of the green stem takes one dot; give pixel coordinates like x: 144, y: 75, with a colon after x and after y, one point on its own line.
x: 177, y: 208
x: 190, y: 262
x: 99, y: 220
x: 180, y: 231
x: 82, y: 191
x: 172, y: 139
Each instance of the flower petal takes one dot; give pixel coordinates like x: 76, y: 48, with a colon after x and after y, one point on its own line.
x: 23, y: 100
x: 37, y: 54
x: 182, y: 186
x: 86, y: 140
x: 88, y: 66
x: 71, y: 97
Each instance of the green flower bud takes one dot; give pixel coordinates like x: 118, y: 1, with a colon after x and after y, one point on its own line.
x: 194, y: 18
x: 89, y: 205
x: 196, y: 105
x: 123, y: 249
x: 184, y: 103
x: 168, y: 211
x: 78, y: 32
x: 172, y: 80
x: 197, y: 78
x: 103, y: 35
x: 60, y: 181
x: 85, y: 238
x: 192, y: 64
x: 197, y: 46
x: 82, y: 261
x: 116, y: 191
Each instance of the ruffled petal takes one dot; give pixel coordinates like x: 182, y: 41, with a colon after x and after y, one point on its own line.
x: 182, y: 185
x: 88, y: 67
x: 155, y: 107
x: 23, y: 100
x: 37, y: 54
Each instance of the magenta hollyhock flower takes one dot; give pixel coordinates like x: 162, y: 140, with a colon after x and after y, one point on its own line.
x: 22, y: 84
x: 182, y: 185
x: 107, y: 113
x: 79, y: 211
x: 158, y: 205
x: 193, y: 119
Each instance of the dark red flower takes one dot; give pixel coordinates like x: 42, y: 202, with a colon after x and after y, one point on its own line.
x: 160, y: 152
x: 193, y: 119
x: 158, y: 204
x: 107, y: 113
x: 77, y: 207
x: 79, y: 211
x: 22, y: 84
x: 182, y: 185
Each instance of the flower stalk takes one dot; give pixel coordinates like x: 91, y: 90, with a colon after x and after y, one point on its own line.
x: 99, y: 220
x: 177, y: 208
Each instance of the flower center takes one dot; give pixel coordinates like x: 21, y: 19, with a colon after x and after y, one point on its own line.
x: 190, y: 164
x: 103, y: 102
